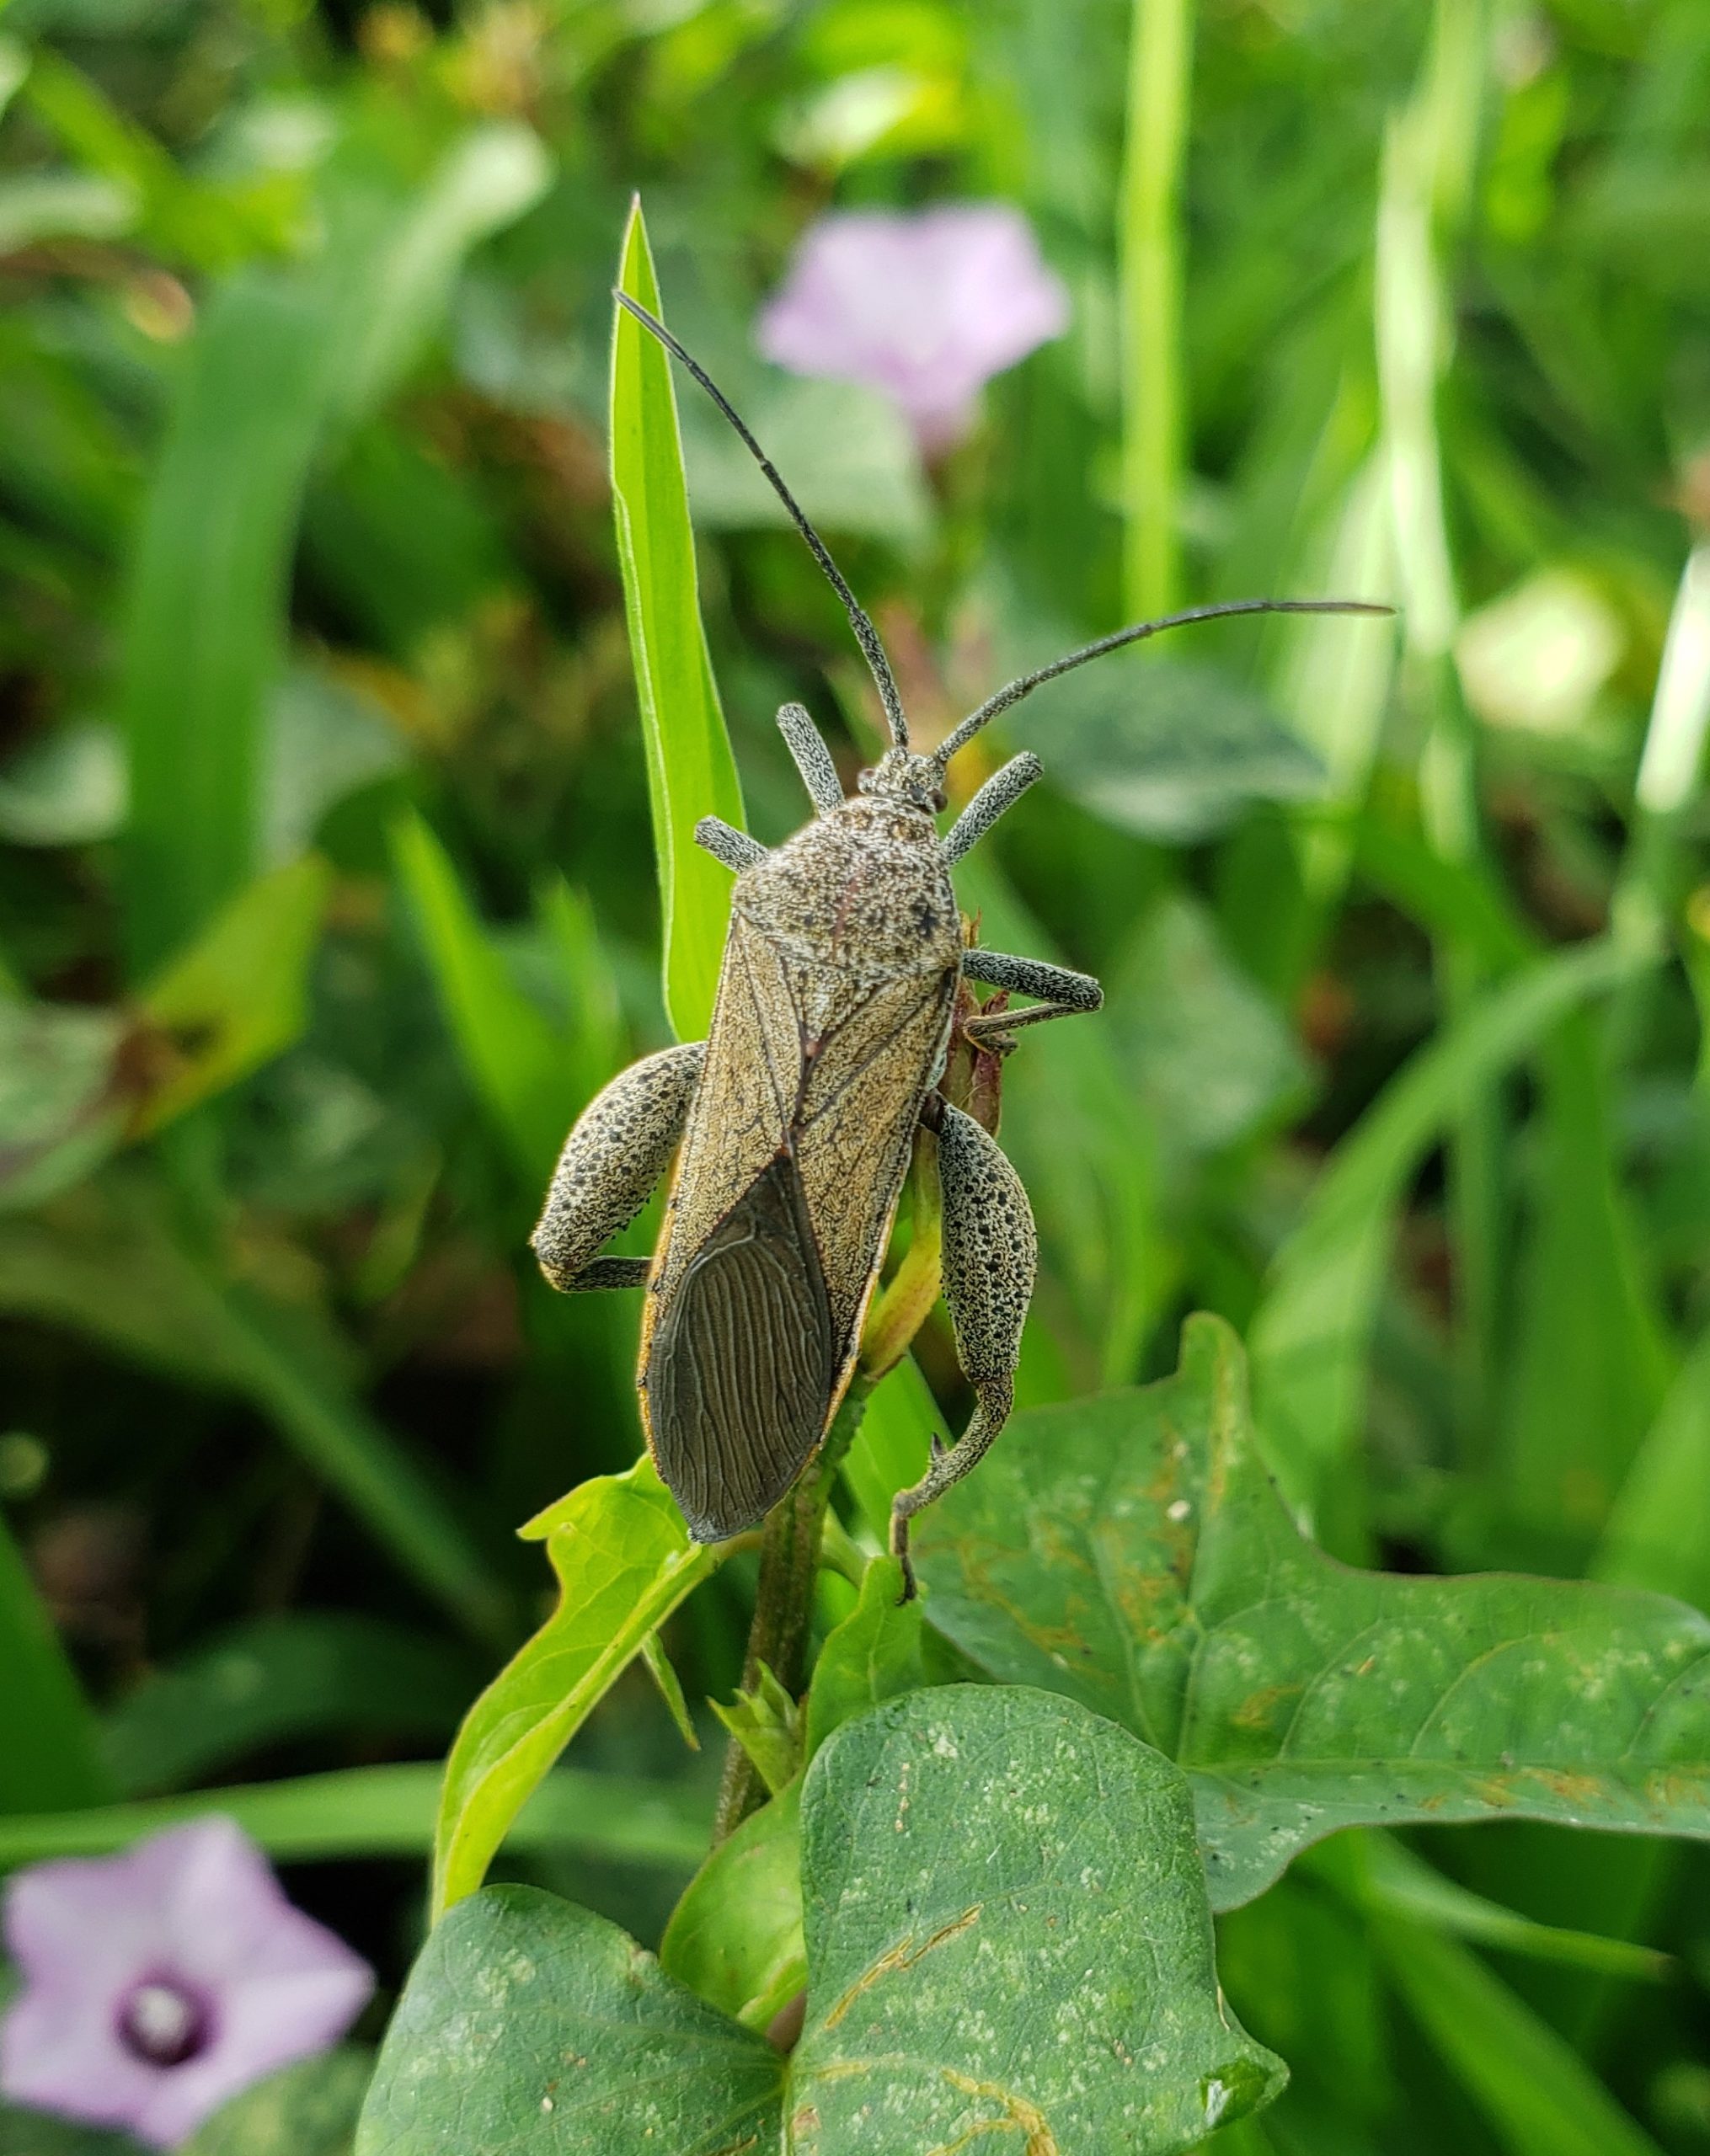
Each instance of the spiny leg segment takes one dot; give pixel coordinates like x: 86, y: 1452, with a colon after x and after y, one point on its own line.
x: 1066, y: 995
x: 990, y: 1257
x: 621, y: 1145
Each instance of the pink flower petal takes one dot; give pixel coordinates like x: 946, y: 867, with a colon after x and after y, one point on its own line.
x: 925, y: 307
x: 196, y: 1908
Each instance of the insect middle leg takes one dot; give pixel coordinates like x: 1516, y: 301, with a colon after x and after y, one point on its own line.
x: 621, y: 1145
x: 991, y: 1257
x: 1066, y: 995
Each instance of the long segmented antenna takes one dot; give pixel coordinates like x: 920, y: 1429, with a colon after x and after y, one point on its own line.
x: 865, y: 634
x: 1025, y: 684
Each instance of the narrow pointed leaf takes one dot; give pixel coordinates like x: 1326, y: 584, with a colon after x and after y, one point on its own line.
x: 624, y: 1561
x: 691, y: 772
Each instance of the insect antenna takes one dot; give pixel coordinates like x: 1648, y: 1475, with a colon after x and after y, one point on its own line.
x: 872, y: 650
x: 1024, y: 685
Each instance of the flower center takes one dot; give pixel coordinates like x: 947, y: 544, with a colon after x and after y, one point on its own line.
x: 165, y: 2022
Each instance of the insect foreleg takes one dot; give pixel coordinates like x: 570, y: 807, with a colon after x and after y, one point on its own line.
x: 991, y: 1254
x: 813, y: 759
x: 725, y: 843
x: 620, y: 1147
x: 999, y: 794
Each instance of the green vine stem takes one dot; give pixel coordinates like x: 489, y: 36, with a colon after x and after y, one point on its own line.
x: 783, y: 1602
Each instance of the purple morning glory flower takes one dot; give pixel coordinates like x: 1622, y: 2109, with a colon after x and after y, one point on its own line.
x: 926, y: 306
x: 159, y: 1983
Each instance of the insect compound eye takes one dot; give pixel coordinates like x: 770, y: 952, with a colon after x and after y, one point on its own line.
x: 938, y: 801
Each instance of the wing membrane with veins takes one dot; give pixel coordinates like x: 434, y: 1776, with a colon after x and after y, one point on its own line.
x: 833, y: 1008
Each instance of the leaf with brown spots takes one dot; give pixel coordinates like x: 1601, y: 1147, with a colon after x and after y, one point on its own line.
x: 1131, y: 1552
x: 1008, y: 1947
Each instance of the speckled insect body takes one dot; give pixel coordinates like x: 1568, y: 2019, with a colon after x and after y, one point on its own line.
x: 793, y: 1122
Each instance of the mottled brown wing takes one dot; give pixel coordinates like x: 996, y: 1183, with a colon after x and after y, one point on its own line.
x: 862, y: 1090
x: 741, y: 1116
x: 741, y: 1361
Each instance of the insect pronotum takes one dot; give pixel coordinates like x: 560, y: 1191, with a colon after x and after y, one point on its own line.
x: 793, y: 1122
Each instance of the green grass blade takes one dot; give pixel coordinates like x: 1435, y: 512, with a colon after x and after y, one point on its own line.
x: 1310, y: 1337
x: 277, y: 356
x: 624, y: 1561
x: 277, y: 1679
x: 49, y: 1755
x: 1153, y: 427
x: 690, y: 771
x: 363, y: 1811
x: 1400, y: 1883
x: 108, y: 1265
x: 515, y: 1060
x: 1654, y: 1537
x: 239, y: 995
x: 1537, y: 2094
x: 204, y: 639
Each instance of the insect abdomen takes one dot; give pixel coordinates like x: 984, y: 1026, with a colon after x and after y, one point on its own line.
x: 742, y: 1360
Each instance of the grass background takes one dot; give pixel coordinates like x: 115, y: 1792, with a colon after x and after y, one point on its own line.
x: 325, y: 899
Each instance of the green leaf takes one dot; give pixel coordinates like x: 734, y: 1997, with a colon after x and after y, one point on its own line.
x: 309, y: 2109
x: 765, y: 1721
x: 531, y: 2027
x: 735, y: 1937
x: 624, y: 1561
x: 882, y: 1649
x: 852, y: 462
x: 690, y: 771
x: 1311, y: 1335
x: 1131, y: 1551
x: 239, y: 995
x: 364, y: 1811
x: 64, y: 788
x: 49, y: 1756
x: 1007, y: 1934
x: 204, y: 643
x: 75, y: 1082
x: 301, y: 1673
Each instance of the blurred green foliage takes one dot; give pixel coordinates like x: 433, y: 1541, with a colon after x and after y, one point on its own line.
x: 327, y: 895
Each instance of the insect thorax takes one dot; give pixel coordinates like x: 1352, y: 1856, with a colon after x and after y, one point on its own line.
x: 860, y: 892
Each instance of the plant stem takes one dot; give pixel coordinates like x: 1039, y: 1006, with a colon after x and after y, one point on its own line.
x: 1160, y: 61
x: 783, y: 1602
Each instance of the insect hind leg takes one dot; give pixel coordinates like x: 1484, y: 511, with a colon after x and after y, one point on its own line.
x: 813, y: 759
x: 1066, y: 994
x: 620, y: 1147
x: 991, y: 1257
